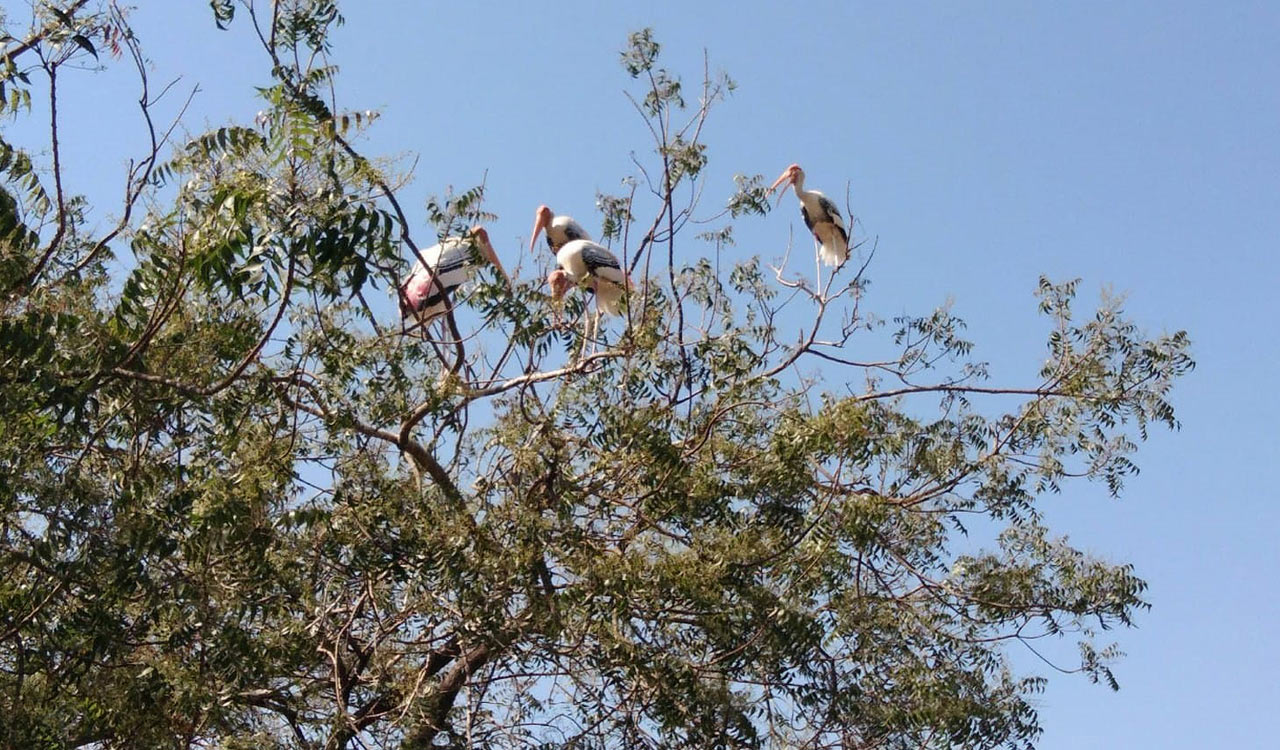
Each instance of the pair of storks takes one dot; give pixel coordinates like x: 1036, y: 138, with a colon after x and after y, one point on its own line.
x: 426, y: 292
x: 579, y: 261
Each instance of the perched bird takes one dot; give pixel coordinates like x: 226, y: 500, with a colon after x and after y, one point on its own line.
x: 448, y: 265
x: 820, y: 215
x: 584, y: 260
x: 560, y: 229
x: 586, y: 263
x: 559, y: 282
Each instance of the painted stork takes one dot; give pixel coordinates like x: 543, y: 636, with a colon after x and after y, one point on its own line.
x: 820, y: 215
x: 585, y: 262
x: 449, y: 265
x: 560, y: 229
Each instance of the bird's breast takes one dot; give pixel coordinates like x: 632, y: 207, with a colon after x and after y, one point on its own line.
x: 570, y: 259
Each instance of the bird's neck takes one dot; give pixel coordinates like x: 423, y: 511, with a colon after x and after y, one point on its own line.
x: 798, y: 185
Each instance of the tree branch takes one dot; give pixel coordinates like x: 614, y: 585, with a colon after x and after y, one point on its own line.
x: 31, y: 41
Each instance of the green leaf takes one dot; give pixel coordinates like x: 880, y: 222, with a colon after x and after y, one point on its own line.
x: 224, y: 11
x: 85, y: 44
x: 63, y: 16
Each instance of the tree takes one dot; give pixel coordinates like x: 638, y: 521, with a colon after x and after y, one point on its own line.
x: 242, y: 509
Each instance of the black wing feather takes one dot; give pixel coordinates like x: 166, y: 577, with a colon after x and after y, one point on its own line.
x: 595, y: 258
x: 808, y: 222
x: 452, y: 265
x: 432, y: 300
x: 436, y: 296
x: 829, y: 207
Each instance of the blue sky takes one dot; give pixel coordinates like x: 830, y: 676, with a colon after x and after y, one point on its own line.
x: 1131, y: 144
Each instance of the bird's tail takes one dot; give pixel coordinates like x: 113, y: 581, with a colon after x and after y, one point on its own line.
x: 609, y: 296
x: 834, y: 248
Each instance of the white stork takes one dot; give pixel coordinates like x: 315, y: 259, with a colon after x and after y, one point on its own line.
x: 560, y: 229
x: 820, y: 215
x: 449, y: 265
x: 585, y: 262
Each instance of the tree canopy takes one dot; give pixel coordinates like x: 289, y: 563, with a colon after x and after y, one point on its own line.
x: 240, y: 506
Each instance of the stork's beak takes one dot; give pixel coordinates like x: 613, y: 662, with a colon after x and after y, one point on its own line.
x: 782, y: 181
x: 541, y: 221
x: 493, y: 258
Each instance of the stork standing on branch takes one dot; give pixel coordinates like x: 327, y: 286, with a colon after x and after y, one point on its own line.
x: 560, y: 229
x: 820, y: 215
x: 442, y: 268
x: 585, y: 263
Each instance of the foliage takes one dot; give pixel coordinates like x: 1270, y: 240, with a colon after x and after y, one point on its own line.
x: 240, y: 508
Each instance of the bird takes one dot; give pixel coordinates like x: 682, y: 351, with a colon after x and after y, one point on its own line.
x: 558, y: 281
x: 585, y: 263
x: 448, y: 265
x: 560, y: 229
x: 820, y: 215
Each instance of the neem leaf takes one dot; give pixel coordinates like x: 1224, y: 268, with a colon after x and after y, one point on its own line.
x: 85, y: 44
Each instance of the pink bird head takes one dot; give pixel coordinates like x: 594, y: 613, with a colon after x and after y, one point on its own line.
x: 792, y: 175
x: 559, y: 281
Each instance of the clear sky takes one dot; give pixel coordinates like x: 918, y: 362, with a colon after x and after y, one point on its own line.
x: 1131, y: 144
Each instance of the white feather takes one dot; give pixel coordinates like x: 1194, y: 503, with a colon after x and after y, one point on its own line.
x: 833, y: 250
x: 607, y: 282
x: 447, y: 253
x: 559, y: 230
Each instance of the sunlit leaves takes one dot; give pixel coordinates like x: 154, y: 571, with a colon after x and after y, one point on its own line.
x: 686, y: 158
x: 640, y: 53
x: 224, y: 143
x: 17, y: 167
x: 224, y: 12
x: 456, y: 213
x: 616, y: 213
x: 15, y: 94
x: 213, y: 450
x: 308, y: 22
x: 664, y: 93
x: 17, y: 242
x: 750, y: 196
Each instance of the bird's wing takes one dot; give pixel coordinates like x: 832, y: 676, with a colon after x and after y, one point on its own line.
x: 603, y: 264
x: 596, y: 258
x: 574, y: 231
x: 808, y: 221
x: 454, y: 256
x: 833, y: 215
x: 830, y: 209
x: 448, y: 265
x: 418, y: 290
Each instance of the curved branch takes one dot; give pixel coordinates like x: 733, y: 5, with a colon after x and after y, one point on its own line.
x: 61, y: 231
x: 1041, y: 392
x: 422, y: 458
